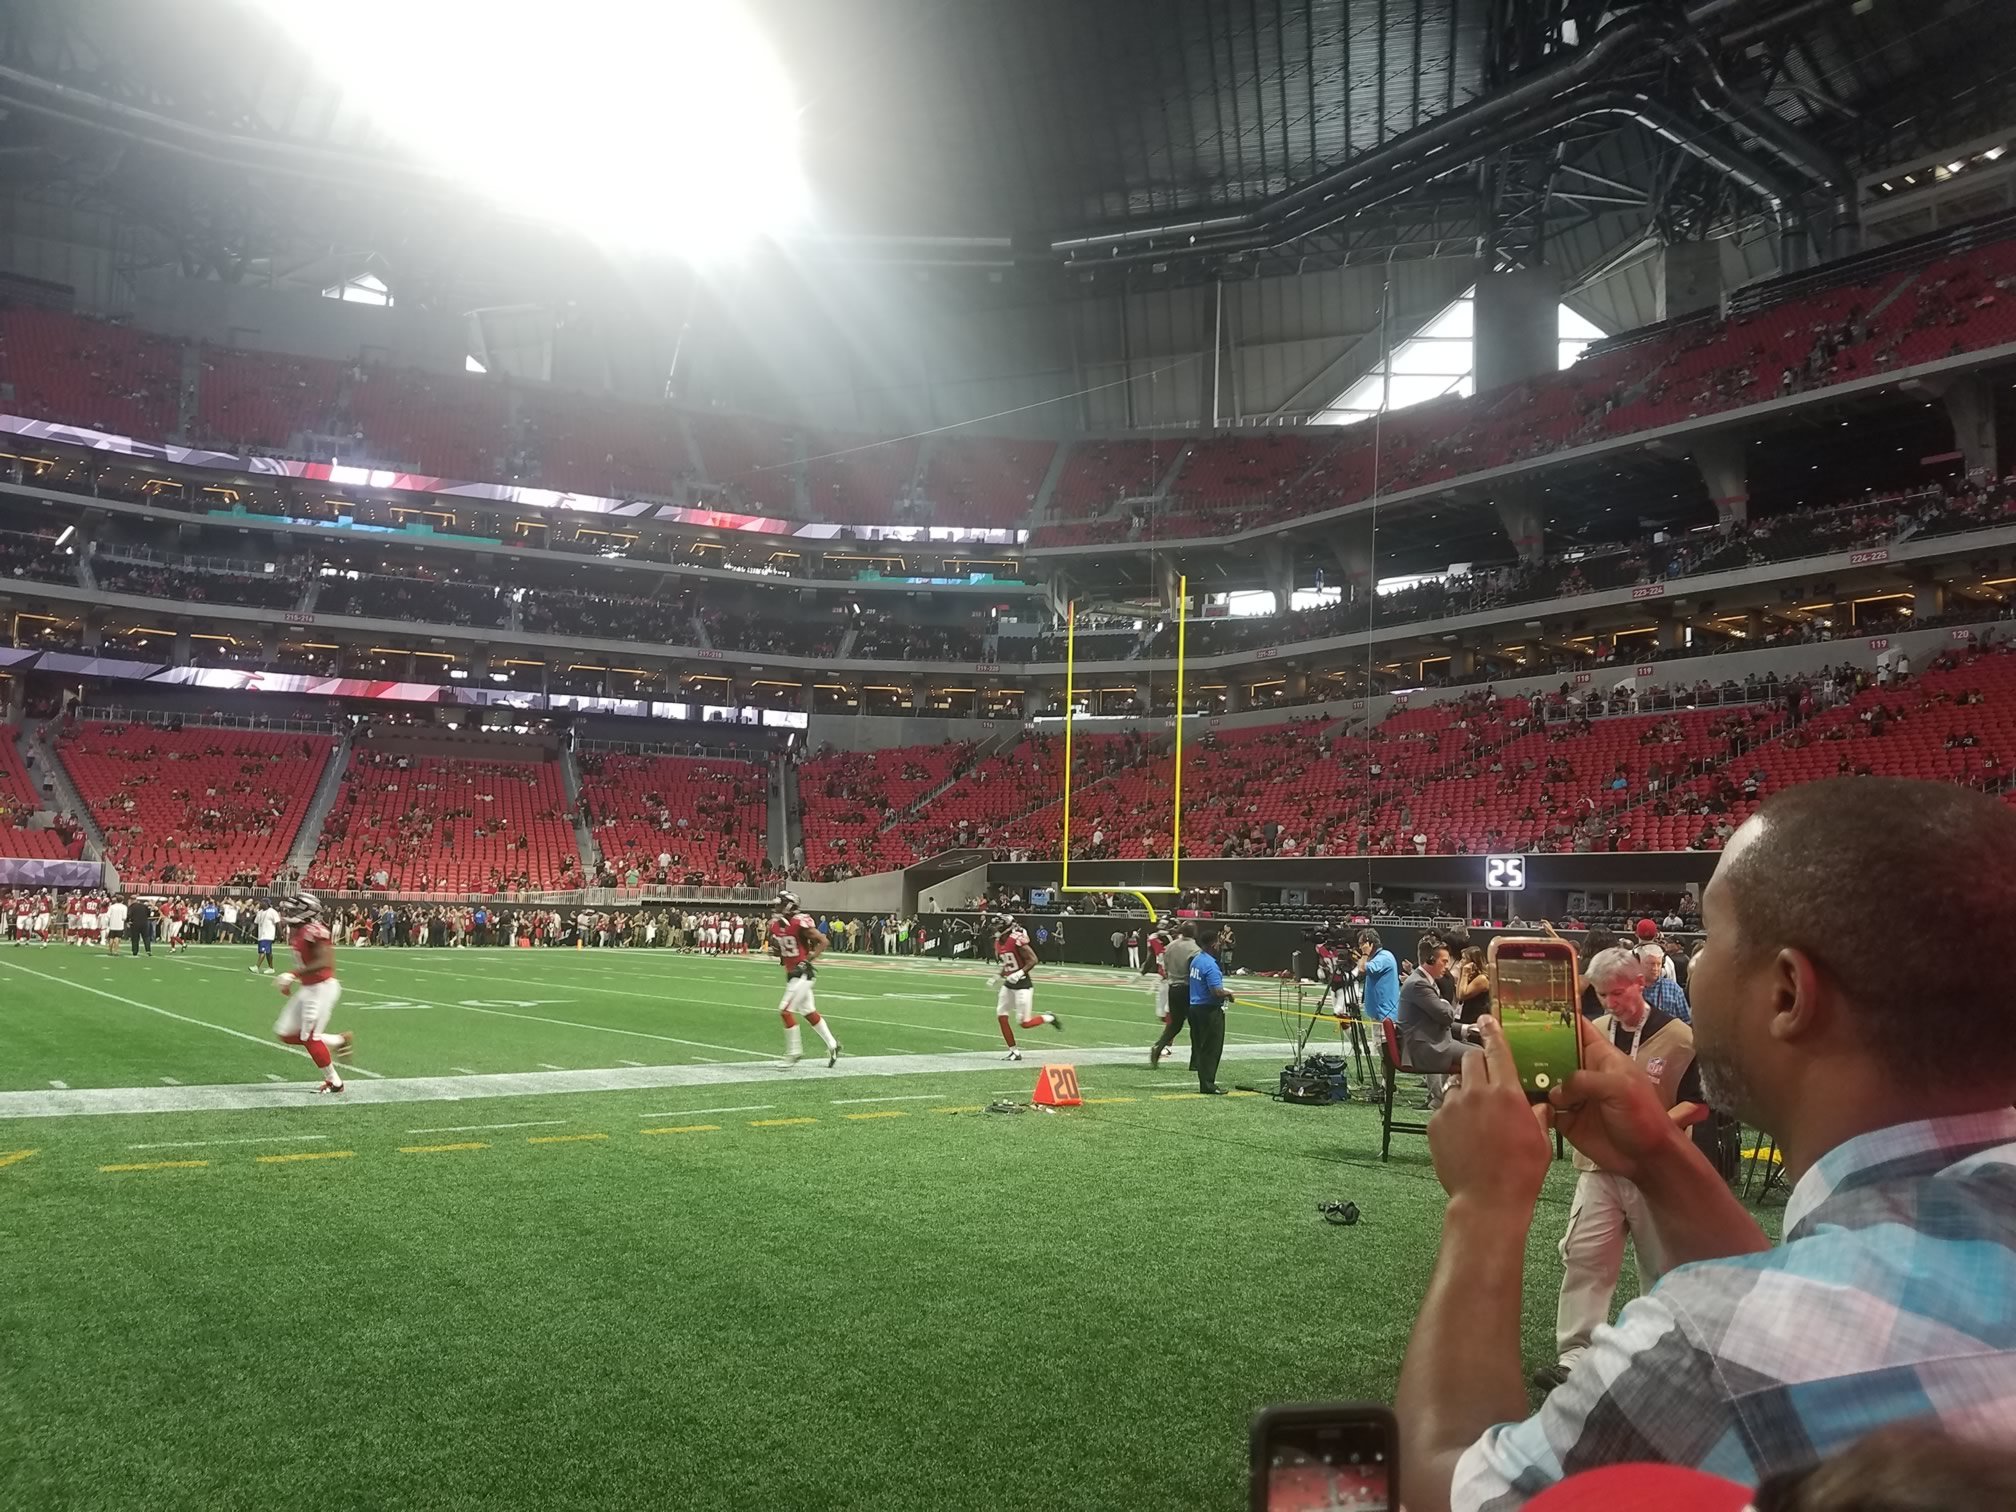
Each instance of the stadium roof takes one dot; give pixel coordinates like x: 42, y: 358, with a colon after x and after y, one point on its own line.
x: 1042, y: 120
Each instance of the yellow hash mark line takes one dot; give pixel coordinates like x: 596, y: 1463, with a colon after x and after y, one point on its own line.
x: 157, y: 1165
x: 440, y: 1149
x: 562, y: 1138
x: 1176, y: 1096
x: 305, y: 1155
x: 1090, y: 1100
x: 14, y: 1157
x: 976, y: 1108
x: 778, y: 1123
x: 890, y: 1113
x: 686, y: 1129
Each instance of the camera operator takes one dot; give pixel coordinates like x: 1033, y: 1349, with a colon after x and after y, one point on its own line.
x: 1380, y: 975
x: 1607, y: 1208
x: 1176, y: 958
x: 1426, y: 1019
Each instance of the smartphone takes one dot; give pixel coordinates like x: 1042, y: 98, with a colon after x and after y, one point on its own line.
x: 1332, y: 1456
x: 1536, y: 995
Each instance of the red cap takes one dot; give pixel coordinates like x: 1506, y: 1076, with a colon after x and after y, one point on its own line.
x: 1647, y: 929
x: 1643, y: 1488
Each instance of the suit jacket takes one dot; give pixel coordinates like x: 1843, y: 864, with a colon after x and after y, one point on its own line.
x: 1427, y: 1040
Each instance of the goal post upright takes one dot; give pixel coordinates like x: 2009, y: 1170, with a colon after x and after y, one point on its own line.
x: 1070, y: 716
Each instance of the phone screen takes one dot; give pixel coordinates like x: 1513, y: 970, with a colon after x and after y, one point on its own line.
x: 1327, y: 1460
x: 1536, y: 996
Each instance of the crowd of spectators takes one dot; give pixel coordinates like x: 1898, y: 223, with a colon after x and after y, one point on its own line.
x: 891, y: 641
x: 35, y: 556
x: 249, y: 588
x: 430, y: 600
x: 761, y: 635
x: 611, y: 616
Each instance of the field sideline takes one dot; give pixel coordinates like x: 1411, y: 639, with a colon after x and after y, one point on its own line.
x: 798, y: 1288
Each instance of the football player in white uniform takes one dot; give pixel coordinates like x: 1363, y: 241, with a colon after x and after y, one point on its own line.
x: 313, y: 992
x: 798, y: 945
x: 1015, y: 1001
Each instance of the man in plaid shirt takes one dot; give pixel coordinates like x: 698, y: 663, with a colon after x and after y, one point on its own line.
x: 1839, y: 1005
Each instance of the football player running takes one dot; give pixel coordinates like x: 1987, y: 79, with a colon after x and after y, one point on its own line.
x: 798, y: 944
x: 1014, y: 1002
x: 313, y: 992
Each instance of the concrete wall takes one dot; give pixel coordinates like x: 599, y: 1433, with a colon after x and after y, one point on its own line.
x: 954, y: 893
x: 1518, y: 325
x: 881, y: 892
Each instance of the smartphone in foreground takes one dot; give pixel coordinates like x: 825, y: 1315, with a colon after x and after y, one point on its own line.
x: 1325, y: 1457
x: 1536, y: 996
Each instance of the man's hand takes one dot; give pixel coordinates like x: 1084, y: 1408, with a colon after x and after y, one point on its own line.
x: 1610, y: 1110
x: 1490, y: 1149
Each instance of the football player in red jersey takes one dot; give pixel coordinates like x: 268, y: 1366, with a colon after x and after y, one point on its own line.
x: 313, y: 992
x: 798, y: 944
x: 1015, y: 1002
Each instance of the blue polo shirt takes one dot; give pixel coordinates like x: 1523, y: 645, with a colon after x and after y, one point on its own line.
x: 1205, y: 977
x: 1382, y: 985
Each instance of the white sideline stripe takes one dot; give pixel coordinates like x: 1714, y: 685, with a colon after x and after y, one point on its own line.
x: 192, y: 1144
x: 694, y: 1112
x: 169, y: 1081
x: 912, y: 1097
x: 60, y: 1086
x: 243, y: 1095
x: 275, y: 1076
x: 533, y: 1123
x: 178, y: 1017
x: 670, y: 1039
x: 629, y: 1063
x: 549, y: 1066
x: 461, y: 1070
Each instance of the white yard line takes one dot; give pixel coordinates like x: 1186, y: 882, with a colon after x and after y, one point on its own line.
x: 695, y: 1112
x: 182, y: 1018
x: 245, y: 1095
x: 193, y: 1144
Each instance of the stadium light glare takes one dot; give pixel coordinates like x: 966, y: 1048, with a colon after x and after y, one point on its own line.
x: 645, y: 124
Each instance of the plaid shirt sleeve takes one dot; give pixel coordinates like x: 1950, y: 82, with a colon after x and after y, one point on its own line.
x: 1666, y: 996
x: 1649, y: 1389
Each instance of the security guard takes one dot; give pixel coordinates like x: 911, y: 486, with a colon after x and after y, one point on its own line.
x: 1176, y: 959
x: 1208, y: 995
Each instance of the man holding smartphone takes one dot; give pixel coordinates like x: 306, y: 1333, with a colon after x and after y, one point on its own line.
x: 1887, y: 1299
x: 1607, y: 1208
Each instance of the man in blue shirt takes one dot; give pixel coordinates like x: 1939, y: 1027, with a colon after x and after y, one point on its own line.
x: 1208, y: 994
x: 1381, y: 974
x: 1661, y: 991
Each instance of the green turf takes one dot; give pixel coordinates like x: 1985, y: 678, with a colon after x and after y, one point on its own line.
x: 527, y: 1010
x: 926, y: 1310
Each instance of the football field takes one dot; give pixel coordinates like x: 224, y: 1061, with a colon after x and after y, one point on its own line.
x: 576, y: 1237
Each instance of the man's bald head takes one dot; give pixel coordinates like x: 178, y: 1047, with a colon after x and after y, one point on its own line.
x: 1894, y: 889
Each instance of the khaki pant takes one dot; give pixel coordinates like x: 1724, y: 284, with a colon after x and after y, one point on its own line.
x: 1606, y: 1210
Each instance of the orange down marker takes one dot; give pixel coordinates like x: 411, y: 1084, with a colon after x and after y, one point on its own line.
x: 1057, y: 1087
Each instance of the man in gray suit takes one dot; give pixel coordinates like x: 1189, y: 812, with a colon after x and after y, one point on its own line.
x: 1427, y: 1019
